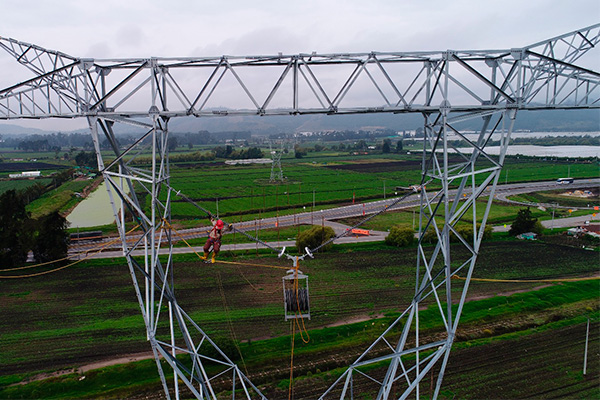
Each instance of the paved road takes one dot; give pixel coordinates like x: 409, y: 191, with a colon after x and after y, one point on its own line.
x: 327, y: 217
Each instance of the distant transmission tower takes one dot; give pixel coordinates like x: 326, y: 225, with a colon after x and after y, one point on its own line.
x: 276, y: 171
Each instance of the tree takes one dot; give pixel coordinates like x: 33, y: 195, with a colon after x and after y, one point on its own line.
x: 387, y: 146
x: 51, y: 241
x: 361, y: 145
x: 314, y: 237
x: 14, y: 233
x: 399, y: 146
x: 172, y: 143
x: 525, y: 222
x: 299, y: 152
x: 400, y: 236
x: 84, y: 159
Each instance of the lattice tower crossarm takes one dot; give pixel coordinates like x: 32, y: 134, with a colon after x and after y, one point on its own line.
x: 447, y: 88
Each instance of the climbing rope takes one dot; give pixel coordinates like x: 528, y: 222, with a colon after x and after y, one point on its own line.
x: 229, y: 321
x: 291, y: 387
x: 256, y: 289
x: 589, y: 278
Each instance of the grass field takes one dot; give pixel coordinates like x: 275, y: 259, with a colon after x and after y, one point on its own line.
x: 326, y: 180
x: 89, y: 312
x: 21, y: 184
x: 60, y: 199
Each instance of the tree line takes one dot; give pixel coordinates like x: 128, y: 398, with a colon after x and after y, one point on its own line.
x: 46, y: 236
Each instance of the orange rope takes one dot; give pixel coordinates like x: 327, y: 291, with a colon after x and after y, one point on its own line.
x: 291, y: 387
x: 302, y: 328
x: 66, y: 258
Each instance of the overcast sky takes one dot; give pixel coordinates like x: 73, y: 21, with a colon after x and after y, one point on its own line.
x: 161, y: 28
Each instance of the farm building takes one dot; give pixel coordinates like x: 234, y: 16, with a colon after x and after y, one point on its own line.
x: 527, y: 236
x: 26, y: 174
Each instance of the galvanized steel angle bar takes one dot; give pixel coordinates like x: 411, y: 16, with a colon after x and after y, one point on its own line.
x: 179, y: 93
x: 179, y: 369
x: 316, y: 82
x: 134, y: 174
x: 239, y: 80
x: 131, y: 93
x: 387, y: 330
x: 127, y: 250
x: 119, y: 85
x: 349, y: 82
x: 476, y: 172
x: 356, y: 369
x: 465, y: 88
x: 119, y: 157
x: 575, y: 91
x: 278, y: 85
x: 384, y: 393
x: 422, y: 294
x: 391, y: 83
x: 442, y: 68
x: 461, y: 239
x: 164, y: 289
x: 471, y: 200
x: 482, y: 78
x: 429, y: 280
x: 419, y: 348
x: 416, y: 78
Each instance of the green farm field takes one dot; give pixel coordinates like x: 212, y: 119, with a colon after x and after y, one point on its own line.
x: 89, y: 313
x: 20, y: 184
x: 328, y: 180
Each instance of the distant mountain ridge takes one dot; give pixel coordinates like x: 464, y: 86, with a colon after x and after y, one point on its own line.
x: 541, y: 121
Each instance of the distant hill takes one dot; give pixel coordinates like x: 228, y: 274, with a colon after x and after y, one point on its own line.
x: 8, y: 129
x: 540, y: 121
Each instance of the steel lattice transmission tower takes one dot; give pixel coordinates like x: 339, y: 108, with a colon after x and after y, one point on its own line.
x: 450, y: 89
x: 276, y: 170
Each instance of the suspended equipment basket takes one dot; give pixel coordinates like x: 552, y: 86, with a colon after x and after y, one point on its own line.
x: 295, y: 295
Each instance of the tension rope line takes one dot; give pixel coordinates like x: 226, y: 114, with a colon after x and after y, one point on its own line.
x: 221, y: 261
x: 255, y: 239
x: 89, y: 254
x: 366, y: 219
x: 207, y: 212
x: 589, y: 278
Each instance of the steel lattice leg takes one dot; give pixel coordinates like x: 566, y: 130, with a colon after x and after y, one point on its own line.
x: 178, y: 343
x: 458, y: 179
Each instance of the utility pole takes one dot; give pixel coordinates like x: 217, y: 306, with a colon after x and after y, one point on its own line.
x: 587, y: 336
x: 312, y: 210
